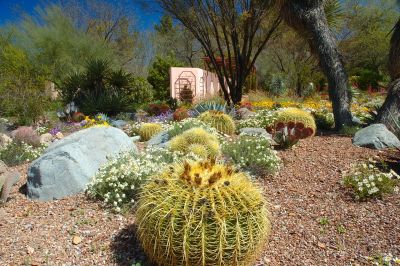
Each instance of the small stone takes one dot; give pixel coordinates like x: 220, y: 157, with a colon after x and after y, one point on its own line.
x: 321, y: 245
x: 30, y: 250
x: 59, y: 135
x: 266, y: 260
x: 76, y: 240
x: 277, y: 207
x: 46, y: 138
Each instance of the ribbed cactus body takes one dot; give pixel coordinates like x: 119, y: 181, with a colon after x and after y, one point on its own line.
x: 296, y: 115
x: 190, y: 140
x: 219, y: 120
x: 202, y: 213
x: 148, y: 130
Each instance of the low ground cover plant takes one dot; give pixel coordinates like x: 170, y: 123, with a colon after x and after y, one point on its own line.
x: 366, y: 181
x: 17, y: 153
x: 253, y: 154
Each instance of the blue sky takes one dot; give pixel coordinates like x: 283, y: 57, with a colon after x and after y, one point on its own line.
x: 10, y: 11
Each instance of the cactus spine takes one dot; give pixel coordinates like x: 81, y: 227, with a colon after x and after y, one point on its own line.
x: 219, y: 120
x: 296, y: 115
x: 202, y: 213
x: 148, y: 130
x: 197, y: 141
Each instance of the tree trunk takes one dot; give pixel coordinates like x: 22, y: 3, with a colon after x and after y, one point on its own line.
x: 389, y: 113
x: 308, y: 18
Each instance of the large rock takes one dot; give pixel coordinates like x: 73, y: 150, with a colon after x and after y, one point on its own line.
x: 376, y: 136
x: 254, y: 131
x: 67, y: 165
x: 159, y: 139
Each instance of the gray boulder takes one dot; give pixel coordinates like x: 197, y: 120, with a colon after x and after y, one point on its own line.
x: 245, y: 113
x: 376, y: 136
x: 253, y: 131
x: 159, y: 139
x: 67, y: 165
x: 119, y: 123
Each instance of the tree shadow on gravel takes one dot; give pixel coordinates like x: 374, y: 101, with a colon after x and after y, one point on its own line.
x: 127, y: 250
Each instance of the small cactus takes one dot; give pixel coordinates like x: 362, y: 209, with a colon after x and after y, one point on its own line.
x: 219, y: 120
x: 148, y: 130
x: 296, y: 115
x: 289, y: 134
x: 202, y: 213
x: 192, y: 139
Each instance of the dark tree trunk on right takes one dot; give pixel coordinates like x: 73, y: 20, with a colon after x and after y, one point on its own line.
x: 308, y: 18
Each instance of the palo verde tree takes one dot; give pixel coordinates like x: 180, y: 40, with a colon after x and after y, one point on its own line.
x: 232, y: 33
x: 308, y: 17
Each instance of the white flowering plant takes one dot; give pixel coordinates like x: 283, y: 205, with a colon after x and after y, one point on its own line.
x: 384, y: 260
x: 262, y: 119
x: 118, y: 182
x: 368, y: 181
x: 16, y: 153
x: 178, y: 128
x: 253, y: 154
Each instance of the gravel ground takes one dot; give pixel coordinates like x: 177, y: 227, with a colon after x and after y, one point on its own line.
x: 315, y: 221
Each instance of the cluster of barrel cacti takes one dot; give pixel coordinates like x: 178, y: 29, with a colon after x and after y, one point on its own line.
x: 220, y: 121
x: 197, y: 141
x: 148, y: 130
x: 202, y: 213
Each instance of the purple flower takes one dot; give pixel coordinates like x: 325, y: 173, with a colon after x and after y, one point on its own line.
x: 54, y: 131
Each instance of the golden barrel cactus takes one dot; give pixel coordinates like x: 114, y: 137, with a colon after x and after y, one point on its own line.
x: 219, y: 120
x: 148, y: 130
x: 198, y: 141
x: 296, y: 115
x: 202, y: 213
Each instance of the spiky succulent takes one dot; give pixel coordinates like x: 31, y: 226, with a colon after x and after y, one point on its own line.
x: 219, y: 120
x: 202, y: 213
x: 148, y: 130
x: 197, y: 141
x: 296, y: 115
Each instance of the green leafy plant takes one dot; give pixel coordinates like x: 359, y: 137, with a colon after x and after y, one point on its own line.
x: 277, y: 86
x: 118, y: 182
x: 368, y: 181
x: 220, y: 121
x: 101, y: 89
x: 349, y: 130
x: 17, y: 153
x: 252, y: 154
x: 202, y: 213
x: 324, y: 119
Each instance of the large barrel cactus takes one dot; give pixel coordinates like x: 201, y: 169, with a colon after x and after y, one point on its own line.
x: 296, y: 115
x: 202, y: 213
x: 219, y: 120
x: 198, y: 141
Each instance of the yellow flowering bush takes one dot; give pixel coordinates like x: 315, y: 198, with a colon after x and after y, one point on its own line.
x: 97, y: 121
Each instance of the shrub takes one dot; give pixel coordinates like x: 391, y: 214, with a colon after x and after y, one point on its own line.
x: 252, y: 154
x: 277, y: 86
x: 148, y: 130
x: 118, y: 182
x: 17, y: 153
x: 296, y: 115
x: 27, y: 135
x: 101, y: 89
x: 140, y: 92
x: 324, y: 119
x: 180, y: 114
x: 369, y: 78
x: 220, y: 121
x: 191, y: 140
x: 157, y: 108
x: 349, y: 130
x: 262, y: 119
x: 22, y: 86
x: 202, y: 213
x: 368, y: 181
x: 159, y: 76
